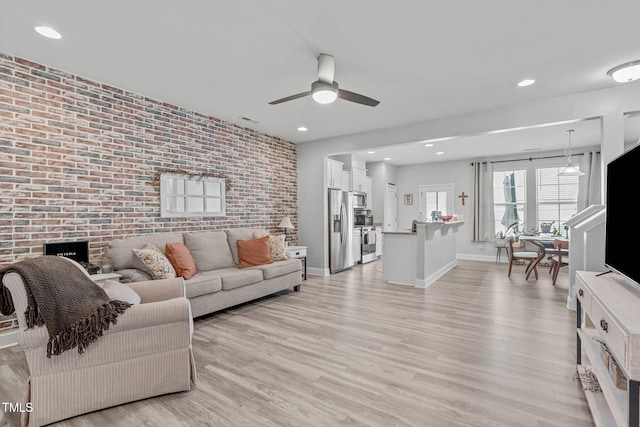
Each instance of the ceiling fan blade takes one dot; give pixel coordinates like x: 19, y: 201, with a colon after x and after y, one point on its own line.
x: 326, y: 68
x: 356, y: 97
x: 291, y: 98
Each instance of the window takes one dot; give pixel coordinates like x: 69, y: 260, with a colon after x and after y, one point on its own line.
x: 509, y: 198
x: 557, y: 196
x: 532, y: 195
x: 184, y: 196
x: 436, y: 198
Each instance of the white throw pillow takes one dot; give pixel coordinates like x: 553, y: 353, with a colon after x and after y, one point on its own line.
x: 120, y: 291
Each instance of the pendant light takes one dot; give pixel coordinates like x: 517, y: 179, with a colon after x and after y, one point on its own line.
x: 571, y: 169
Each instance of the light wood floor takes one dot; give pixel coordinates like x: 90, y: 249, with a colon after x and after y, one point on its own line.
x: 474, y: 349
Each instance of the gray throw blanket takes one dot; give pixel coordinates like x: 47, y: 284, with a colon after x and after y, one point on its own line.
x: 75, y: 310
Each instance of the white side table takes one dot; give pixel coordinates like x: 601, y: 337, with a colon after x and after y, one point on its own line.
x: 103, y: 277
x: 301, y: 253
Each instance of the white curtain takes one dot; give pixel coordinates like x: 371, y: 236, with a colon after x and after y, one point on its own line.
x: 483, y: 213
x: 589, y: 192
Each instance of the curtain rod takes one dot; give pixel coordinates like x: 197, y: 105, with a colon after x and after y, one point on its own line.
x: 534, y: 158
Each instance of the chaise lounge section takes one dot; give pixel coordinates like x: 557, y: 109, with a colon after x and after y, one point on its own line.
x: 219, y: 282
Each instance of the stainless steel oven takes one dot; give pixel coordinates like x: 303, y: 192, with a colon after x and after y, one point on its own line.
x: 359, y: 200
x: 363, y: 217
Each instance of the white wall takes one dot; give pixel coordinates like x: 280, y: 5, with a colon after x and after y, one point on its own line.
x: 610, y: 104
x: 381, y: 173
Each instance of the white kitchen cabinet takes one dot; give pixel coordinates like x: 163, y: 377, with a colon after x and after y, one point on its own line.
x: 368, y: 188
x: 358, y: 177
x: 334, y: 173
x: 346, y: 181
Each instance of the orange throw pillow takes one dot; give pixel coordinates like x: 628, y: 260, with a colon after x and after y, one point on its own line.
x: 254, y: 252
x: 181, y: 259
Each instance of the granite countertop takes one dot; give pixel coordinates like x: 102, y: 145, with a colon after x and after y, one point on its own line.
x: 407, y: 231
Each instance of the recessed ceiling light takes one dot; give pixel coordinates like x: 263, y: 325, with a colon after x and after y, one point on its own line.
x: 371, y: 152
x: 387, y: 158
x: 526, y: 82
x: 48, y: 32
x: 440, y: 152
x: 302, y: 129
x: 428, y: 145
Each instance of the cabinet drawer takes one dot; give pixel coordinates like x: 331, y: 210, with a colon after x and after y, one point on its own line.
x: 612, y: 333
x: 584, y: 295
x: 298, y: 253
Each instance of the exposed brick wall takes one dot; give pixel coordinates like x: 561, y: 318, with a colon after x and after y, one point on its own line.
x: 77, y: 161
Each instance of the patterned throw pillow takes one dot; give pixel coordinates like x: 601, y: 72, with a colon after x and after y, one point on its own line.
x: 155, y: 260
x: 276, y: 246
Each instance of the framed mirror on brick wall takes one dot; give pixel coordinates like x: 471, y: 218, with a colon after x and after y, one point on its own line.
x: 186, y: 196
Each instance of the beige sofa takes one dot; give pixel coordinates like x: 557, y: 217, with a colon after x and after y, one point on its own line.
x: 146, y: 353
x: 218, y: 283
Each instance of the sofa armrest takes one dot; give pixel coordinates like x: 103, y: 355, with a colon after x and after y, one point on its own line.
x: 36, y: 337
x: 137, y: 316
x: 158, y: 290
x: 158, y: 313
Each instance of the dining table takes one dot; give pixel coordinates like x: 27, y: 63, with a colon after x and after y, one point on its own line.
x: 544, y: 244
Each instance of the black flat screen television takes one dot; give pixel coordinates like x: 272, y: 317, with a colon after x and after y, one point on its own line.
x: 623, y: 178
x: 77, y: 251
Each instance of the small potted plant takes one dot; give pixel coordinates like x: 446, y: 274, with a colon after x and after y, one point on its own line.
x: 513, y: 230
x: 501, y: 242
x: 545, y: 227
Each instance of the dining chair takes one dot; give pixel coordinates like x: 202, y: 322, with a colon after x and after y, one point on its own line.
x: 533, y: 257
x: 560, y: 257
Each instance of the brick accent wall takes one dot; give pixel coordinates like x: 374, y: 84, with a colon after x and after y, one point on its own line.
x: 78, y: 159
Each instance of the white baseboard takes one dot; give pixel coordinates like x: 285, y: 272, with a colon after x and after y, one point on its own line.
x: 486, y: 258
x: 317, y: 271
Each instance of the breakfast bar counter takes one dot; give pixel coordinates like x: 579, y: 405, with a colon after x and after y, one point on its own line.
x: 419, y: 258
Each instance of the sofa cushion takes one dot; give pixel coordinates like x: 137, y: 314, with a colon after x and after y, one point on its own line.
x: 155, y: 261
x: 235, y: 234
x: 276, y: 246
x: 181, y: 259
x: 209, y: 249
x: 122, y: 250
x: 233, y: 278
x: 254, y: 252
x: 279, y: 268
x: 203, y: 283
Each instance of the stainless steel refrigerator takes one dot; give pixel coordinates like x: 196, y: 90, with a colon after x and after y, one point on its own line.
x: 340, y: 230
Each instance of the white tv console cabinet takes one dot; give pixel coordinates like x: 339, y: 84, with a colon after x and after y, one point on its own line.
x: 608, y: 310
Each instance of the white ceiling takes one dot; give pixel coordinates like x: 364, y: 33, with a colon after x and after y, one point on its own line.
x: 421, y: 60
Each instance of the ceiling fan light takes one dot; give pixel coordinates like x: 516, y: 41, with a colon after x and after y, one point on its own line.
x: 324, y: 93
x: 324, y: 96
x: 626, y: 72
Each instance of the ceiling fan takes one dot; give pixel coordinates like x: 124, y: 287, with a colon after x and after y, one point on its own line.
x: 325, y: 90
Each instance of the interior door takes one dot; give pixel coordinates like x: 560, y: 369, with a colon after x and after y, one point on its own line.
x: 391, y: 208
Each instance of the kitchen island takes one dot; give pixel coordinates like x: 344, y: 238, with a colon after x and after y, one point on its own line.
x: 419, y: 258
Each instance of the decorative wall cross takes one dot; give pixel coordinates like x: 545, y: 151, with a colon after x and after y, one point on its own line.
x: 463, y: 196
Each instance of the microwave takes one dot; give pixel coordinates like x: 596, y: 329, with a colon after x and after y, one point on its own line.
x: 359, y: 200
